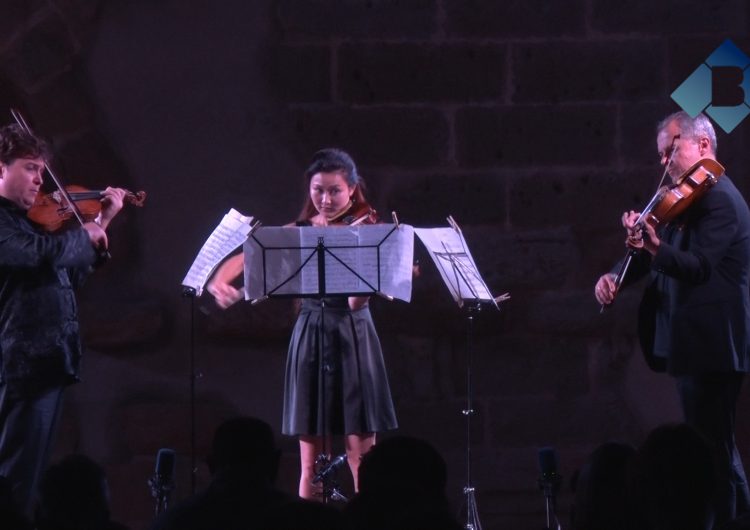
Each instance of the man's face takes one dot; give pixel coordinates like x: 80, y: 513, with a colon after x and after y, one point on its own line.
x: 20, y: 180
x: 687, y: 150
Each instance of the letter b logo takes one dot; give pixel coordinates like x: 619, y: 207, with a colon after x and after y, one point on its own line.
x: 720, y: 87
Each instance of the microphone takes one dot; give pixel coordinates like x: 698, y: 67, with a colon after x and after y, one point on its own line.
x: 549, y: 479
x: 165, y: 467
x: 330, y: 468
x: 162, y: 482
x: 549, y: 483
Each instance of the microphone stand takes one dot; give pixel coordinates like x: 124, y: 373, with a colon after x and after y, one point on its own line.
x: 160, y: 490
x: 549, y: 483
x: 327, y: 476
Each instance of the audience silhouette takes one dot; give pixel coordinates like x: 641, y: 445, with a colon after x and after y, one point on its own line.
x: 673, y: 480
x: 244, y: 463
x: 600, y: 501
x: 401, y: 486
x: 74, y: 496
x: 11, y: 517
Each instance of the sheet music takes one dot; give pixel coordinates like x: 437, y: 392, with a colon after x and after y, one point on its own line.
x: 451, y: 255
x: 358, y: 260
x: 230, y: 234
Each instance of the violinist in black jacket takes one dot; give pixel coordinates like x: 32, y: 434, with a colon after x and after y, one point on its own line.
x: 39, y: 343
x: 695, y: 314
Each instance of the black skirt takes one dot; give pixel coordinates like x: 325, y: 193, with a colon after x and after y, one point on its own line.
x: 336, y: 381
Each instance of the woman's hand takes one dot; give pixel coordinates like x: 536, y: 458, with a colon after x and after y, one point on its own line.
x: 224, y: 293
x: 357, y: 302
x: 220, y: 285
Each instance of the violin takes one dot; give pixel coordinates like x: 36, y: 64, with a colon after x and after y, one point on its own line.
x: 53, y: 211
x: 668, y: 203
x: 671, y: 201
x: 357, y: 214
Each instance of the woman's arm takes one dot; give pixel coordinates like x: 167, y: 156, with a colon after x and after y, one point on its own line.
x: 220, y: 284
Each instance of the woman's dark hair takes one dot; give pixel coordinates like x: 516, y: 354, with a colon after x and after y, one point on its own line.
x: 16, y: 143
x: 332, y: 160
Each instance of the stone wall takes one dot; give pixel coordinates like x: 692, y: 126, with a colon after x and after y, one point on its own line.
x: 531, y: 122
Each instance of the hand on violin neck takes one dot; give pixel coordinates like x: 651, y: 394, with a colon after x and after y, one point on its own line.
x: 640, y: 233
x: 651, y: 241
x: 112, y: 201
x: 97, y: 235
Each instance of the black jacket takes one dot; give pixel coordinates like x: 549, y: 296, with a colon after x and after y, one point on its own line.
x: 39, y: 340
x: 696, y: 307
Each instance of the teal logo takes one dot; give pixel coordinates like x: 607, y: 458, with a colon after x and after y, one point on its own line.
x: 720, y: 87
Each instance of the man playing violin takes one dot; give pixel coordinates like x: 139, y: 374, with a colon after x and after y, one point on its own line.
x: 694, y: 319
x: 39, y: 340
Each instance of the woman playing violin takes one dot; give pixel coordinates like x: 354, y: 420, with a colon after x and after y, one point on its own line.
x: 338, y: 342
x: 695, y: 314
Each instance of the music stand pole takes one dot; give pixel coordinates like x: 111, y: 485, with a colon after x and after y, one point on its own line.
x: 324, y: 463
x: 472, y: 511
x: 189, y: 292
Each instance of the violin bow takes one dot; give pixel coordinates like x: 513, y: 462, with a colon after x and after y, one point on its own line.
x: 632, y: 252
x: 73, y: 206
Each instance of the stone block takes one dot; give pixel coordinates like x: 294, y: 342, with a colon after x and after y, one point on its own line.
x: 563, y: 313
x: 514, y: 19
x: 376, y: 137
x: 424, y: 72
x: 659, y: 18
x: 522, y: 363
x: 18, y: 15
x: 62, y: 109
x: 82, y: 15
x: 422, y: 368
x: 142, y: 425
x: 427, y: 200
x: 538, y: 135
x: 122, y: 326
x: 300, y: 73
x: 520, y: 421
x: 637, y: 147
x: 90, y: 156
x: 554, y: 198
x: 549, y: 72
x: 523, y: 259
x: 326, y: 19
x: 46, y: 51
x: 442, y: 422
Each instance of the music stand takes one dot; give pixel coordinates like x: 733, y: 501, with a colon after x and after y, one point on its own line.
x: 231, y: 232
x: 451, y: 255
x: 317, y: 262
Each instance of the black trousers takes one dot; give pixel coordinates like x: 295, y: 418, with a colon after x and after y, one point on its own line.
x: 709, y: 403
x: 27, y: 430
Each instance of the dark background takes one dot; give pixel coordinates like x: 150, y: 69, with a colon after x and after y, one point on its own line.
x: 531, y: 122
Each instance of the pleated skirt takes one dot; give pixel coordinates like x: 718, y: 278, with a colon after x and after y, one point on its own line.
x: 336, y: 382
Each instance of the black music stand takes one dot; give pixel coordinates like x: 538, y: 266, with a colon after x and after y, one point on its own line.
x: 314, y: 273
x: 456, y: 266
x: 226, y: 237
